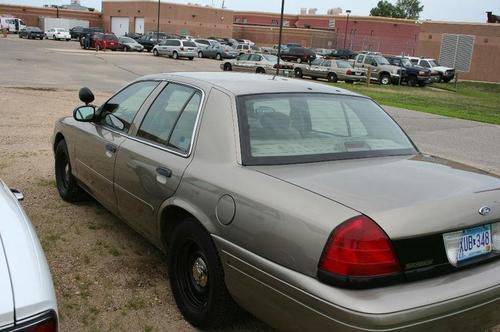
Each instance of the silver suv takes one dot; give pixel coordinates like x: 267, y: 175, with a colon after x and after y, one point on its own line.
x: 176, y: 48
x: 381, y: 70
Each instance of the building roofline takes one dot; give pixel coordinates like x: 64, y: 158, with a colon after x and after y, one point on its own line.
x: 171, y: 3
x: 41, y: 7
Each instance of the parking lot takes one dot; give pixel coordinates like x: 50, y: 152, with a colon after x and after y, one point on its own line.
x: 106, y: 276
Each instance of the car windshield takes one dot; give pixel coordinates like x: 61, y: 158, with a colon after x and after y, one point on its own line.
x: 406, y: 62
x: 60, y: 30
x: 253, y: 47
x: 343, y: 64
x: 433, y: 63
x: 127, y: 40
x: 270, y: 57
x: 381, y: 60
x: 290, y: 128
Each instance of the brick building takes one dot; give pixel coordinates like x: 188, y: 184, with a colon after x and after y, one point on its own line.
x: 141, y: 16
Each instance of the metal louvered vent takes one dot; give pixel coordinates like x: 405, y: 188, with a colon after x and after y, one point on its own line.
x: 456, y: 51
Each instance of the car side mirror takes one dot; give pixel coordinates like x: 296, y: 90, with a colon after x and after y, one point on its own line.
x: 86, y: 95
x: 84, y: 113
x: 17, y: 194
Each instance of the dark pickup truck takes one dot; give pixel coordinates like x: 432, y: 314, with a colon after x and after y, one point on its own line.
x: 412, y: 75
x: 299, y: 54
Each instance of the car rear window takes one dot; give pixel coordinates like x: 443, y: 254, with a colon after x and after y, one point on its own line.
x: 189, y: 44
x: 311, y: 127
x: 110, y: 37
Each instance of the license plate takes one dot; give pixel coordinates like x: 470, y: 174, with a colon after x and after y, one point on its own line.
x: 474, y: 242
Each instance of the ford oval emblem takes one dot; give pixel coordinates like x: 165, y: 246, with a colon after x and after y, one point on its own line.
x: 485, y: 210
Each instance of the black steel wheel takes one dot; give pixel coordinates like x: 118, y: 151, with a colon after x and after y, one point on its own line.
x: 412, y: 80
x: 260, y: 70
x: 298, y: 73
x: 197, y: 277
x: 228, y: 67
x: 332, y: 77
x: 66, y: 183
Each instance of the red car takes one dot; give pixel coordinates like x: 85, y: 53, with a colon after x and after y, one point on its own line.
x: 101, y: 41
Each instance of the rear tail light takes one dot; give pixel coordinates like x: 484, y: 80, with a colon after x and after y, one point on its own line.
x: 46, y: 322
x: 182, y: 48
x: 349, y: 72
x: 359, y: 248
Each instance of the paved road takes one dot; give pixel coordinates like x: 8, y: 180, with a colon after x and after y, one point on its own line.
x: 64, y: 65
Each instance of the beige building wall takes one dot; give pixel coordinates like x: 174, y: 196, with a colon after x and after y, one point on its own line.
x: 269, y: 36
x: 174, y: 18
x: 485, y: 64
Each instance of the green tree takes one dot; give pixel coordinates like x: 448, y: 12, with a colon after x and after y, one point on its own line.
x: 384, y: 8
x: 409, y: 9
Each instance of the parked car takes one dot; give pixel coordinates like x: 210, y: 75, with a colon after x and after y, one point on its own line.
x: 298, y: 54
x: 246, y: 48
x: 58, y: 34
x: 218, y: 52
x: 134, y: 35
x: 306, y: 204
x: 149, y: 40
x: 323, y: 52
x: 381, y: 70
x: 102, y: 41
x: 31, y: 33
x: 412, y: 74
x: 79, y: 32
x: 128, y: 44
x: 245, y: 41
x: 444, y: 74
x: 332, y: 70
x: 27, y: 301
x: 258, y: 63
x: 13, y: 24
x: 341, y: 53
x: 176, y: 48
x: 204, y: 43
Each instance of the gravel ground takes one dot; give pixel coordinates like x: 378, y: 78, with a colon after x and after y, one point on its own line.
x: 107, y: 277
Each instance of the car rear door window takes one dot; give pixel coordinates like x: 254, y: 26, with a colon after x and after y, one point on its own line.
x: 171, y: 119
x: 244, y: 57
x: 255, y: 57
x: 119, y: 112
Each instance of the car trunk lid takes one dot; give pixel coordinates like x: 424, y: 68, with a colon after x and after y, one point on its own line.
x: 408, y: 196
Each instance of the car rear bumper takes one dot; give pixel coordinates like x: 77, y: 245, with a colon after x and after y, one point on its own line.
x: 187, y: 54
x: 291, y: 301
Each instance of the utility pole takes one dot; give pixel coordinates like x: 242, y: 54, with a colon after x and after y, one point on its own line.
x: 280, y: 36
x: 223, y: 4
x: 158, y: 25
x: 346, y: 25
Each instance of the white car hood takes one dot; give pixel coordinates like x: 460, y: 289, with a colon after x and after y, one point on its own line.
x: 30, y: 280
x: 441, y: 68
x: 6, y: 299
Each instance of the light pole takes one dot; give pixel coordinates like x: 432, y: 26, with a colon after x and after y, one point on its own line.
x: 279, y: 39
x: 346, y: 25
x: 158, y: 25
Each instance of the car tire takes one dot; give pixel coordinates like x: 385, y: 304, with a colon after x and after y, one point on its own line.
x: 299, y: 60
x: 175, y: 55
x: 218, y: 57
x: 446, y: 80
x: 155, y: 52
x: 125, y: 49
x: 65, y: 181
x: 412, y: 80
x: 68, y: 40
x: 260, y: 70
x: 440, y: 78
x: 421, y: 84
x: 349, y: 82
x: 197, y: 277
x: 298, y: 73
x: 200, y: 54
x: 385, y: 79
x: 54, y: 37
x: 332, y: 77
x: 228, y: 67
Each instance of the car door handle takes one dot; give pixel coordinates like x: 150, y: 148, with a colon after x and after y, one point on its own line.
x: 163, y: 171
x: 111, y: 148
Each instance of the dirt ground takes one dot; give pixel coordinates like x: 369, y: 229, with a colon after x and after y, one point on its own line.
x: 107, y: 277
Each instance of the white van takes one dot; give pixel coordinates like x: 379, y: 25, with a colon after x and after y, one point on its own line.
x: 13, y: 24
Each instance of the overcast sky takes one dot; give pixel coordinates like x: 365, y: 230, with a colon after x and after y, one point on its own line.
x: 438, y: 10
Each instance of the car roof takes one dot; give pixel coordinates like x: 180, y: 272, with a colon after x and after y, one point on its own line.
x: 246, y: 83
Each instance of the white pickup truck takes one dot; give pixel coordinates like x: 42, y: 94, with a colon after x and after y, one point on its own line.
x: 444, y: 74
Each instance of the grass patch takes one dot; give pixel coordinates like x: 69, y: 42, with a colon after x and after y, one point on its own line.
x: 470, y: 100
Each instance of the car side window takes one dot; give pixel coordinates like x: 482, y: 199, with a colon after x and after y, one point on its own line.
x: 255, y: 57
x: 244, y: 57
x: 425, y: 64
x: 171, y: 119
x: 119, y: 112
